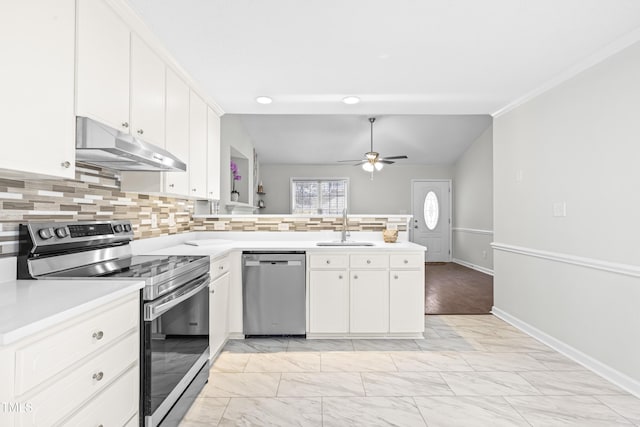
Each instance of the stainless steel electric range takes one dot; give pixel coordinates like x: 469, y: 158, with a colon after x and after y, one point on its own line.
x: 174, y: 304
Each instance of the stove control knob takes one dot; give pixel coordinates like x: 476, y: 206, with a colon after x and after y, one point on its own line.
x: 127, y: 227
x: 62, y: 232
x: 117, y: 228
x: 45, y: 233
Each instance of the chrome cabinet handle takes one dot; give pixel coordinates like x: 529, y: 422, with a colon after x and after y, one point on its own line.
x: 98, y: 335
x: 368, y: 261
x: 194, y: 190
x: 355, y: 277
x: 65, y: 164
x: 171, y: 185
x: 140, y: 131
x: 406, y: 261
x: 221, y: 267
x: 395, y: 277
x: 340, y: 276
x: 125, y: 124
x: 328, y: 261
x: 98, y: 376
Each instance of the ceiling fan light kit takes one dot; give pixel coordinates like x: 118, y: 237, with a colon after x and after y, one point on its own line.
x: 372, y: 161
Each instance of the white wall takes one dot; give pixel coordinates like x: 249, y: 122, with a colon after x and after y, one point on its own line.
x: 388, y: 193
x: 233, y: 134
x: 574, y: 278
x: 473, y: 204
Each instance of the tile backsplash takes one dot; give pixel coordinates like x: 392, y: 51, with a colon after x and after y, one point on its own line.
x: 94, y: 195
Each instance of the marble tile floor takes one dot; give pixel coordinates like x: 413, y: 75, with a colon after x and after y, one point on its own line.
x: 471, y: 370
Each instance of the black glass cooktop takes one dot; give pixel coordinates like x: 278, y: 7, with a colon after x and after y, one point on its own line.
x: 139, y: 266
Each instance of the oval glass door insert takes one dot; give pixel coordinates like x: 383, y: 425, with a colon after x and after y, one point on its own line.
x: 431, y: 210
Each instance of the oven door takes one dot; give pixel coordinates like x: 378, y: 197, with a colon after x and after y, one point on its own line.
x: 175, y: 346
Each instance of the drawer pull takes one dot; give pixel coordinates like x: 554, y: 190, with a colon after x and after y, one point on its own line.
x: 406, y: 261
x: 340, y: 276
x: 368, y: 261
x: 98, y: 335
x: 98, y: 376
x: 328, y: 261
x: 355, y: 277
x: 221, y: 267
x: 395, y: 277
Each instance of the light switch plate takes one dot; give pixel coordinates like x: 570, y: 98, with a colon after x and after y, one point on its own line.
x: 283, y: 227
x: 559, y: 209
x: 219, y: 225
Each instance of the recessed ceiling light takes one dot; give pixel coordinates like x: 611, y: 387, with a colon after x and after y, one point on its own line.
x: 350, y: 100
x: 264, y: 100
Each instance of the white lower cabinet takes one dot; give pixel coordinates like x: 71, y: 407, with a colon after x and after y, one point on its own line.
x: 219, y: 313
x: 82, y: 372
x: 369, y: 301
x: 406, y: 300
x: 328, y: 301
x: 365, y: 294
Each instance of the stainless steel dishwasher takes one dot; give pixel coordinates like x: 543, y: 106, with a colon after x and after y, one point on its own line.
x: 273, y: 293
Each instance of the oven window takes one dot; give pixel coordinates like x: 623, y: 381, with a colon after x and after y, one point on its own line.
x: 174, y: 343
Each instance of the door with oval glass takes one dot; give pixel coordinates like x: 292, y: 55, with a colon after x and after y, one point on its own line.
x: 431, y: 222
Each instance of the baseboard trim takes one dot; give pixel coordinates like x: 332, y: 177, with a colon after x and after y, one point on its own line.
x: 479, y: 268
x: 473, y: 230
x: 616, y: 377
x: 612, y: 267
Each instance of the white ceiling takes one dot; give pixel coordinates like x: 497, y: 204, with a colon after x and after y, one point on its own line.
x: 399, y: 56
x: 325, y: 139
x: 408, y: 60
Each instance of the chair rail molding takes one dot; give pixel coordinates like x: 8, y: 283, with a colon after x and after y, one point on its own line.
x: 472, y: 230
x: 612, y: 267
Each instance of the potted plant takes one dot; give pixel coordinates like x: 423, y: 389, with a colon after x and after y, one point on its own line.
x: 234, y: 177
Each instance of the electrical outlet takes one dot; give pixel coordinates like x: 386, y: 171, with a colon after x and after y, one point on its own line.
x: 392, y: 226
x: 219, y: 226
x: 519, y: 175
x: 283, y: 227
x: 484, y: 254
x: 154, y: 220
x: 172, y: 219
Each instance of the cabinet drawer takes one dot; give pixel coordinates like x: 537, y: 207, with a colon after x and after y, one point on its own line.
x: 43, y: 359
x: 328, y: 261
x: 65, y: 395
x: 219, y: 267
x: 406, y: 260
x: 115, y: 406
x: 369, y: 261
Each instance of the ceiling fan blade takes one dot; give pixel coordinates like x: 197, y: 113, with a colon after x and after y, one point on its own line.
x: 361, y: 162
x: 385, y: 161
x: 395, y: 157
x: 344, y: 161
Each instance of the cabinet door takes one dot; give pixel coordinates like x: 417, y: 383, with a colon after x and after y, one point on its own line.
x: 102, y: 80
x: 147, y: 93
x: 218, y: 313
x: 406, y: 301
x: 213, y: 155
x: 328, y: 301
x: 197, y: 146
x: 369, y: 301
x: 177, y: 132
x: 37, y: 41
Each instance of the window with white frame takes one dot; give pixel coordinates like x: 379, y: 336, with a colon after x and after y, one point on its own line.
x: 319, y: 195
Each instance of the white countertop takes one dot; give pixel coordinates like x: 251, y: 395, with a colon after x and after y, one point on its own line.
x: 218, y: 247
x: 30, y: 306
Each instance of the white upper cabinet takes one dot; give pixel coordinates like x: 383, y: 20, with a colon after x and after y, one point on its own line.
x: 37, y: 41
x: 147, y: 93
x: 213, y: 155
x: 197, y: 146
x: 102, y: 83
x: 177, y: 132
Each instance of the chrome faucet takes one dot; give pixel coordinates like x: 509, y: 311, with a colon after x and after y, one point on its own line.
x: 345, y: 226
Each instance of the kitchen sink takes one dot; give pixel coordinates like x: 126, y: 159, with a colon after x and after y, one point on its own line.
x: 345, y: 244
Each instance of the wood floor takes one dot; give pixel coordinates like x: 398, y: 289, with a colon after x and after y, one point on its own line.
x: 451, y: 288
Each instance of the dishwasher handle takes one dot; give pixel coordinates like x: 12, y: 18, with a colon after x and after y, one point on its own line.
x: 250, y: 263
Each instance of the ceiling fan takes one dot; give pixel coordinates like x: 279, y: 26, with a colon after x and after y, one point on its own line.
x: 372, y: 160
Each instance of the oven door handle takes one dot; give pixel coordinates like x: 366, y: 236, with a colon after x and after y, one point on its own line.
x: 153, y: 310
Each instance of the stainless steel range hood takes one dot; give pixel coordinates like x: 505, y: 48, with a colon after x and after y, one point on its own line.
x: 104, y: 146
